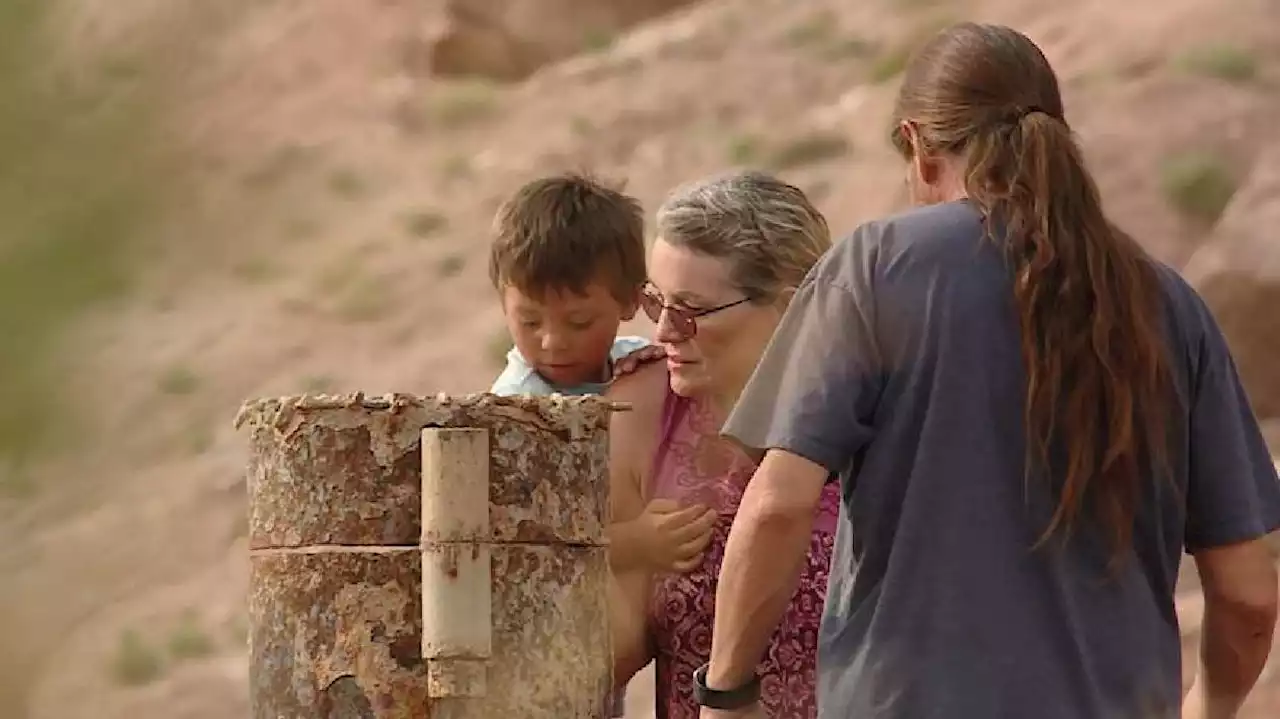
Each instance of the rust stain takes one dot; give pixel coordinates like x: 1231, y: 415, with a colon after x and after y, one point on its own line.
x: 334, y: 470
x: 316, y: 618
x: 449, y: 559
x: 336, y: 584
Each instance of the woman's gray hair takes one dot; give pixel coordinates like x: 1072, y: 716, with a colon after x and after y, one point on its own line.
x: 767, y: 229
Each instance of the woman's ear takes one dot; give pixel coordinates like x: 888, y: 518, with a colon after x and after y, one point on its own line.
x: 784, y: 298
x: 925, y: 165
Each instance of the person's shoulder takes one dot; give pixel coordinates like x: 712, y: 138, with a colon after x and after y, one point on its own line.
x: 923, y: 224
x: 519, y: 377
x: 1183, y: 299
x: 644, y: 390
x: 1190, y: 320
x: 647, y: 384
x: 911, y: 234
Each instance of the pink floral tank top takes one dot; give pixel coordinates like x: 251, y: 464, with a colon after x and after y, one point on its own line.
x: 694, y: 465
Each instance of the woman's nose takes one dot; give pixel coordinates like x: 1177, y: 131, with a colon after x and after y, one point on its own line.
x: 666, y: 329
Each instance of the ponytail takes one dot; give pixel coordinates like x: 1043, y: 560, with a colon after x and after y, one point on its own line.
x: 1088, y: 302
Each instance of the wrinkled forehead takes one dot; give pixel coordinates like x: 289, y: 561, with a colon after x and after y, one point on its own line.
x: 684, y: 275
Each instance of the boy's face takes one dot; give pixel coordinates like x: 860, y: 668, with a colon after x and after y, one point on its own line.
x: 566, y: 336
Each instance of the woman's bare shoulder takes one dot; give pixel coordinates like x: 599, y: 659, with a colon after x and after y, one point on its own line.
x: 644, y: 390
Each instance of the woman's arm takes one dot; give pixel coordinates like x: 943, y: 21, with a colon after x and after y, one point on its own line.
x: 633, y: 436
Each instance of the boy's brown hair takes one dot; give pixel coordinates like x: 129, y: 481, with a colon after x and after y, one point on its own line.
x: 566, y: 231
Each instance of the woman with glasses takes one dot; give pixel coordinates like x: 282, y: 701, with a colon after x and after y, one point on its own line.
x: 730, y: 253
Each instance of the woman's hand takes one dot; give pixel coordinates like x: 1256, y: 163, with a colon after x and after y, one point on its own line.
x: 633, y: 361
x: 673, y: 537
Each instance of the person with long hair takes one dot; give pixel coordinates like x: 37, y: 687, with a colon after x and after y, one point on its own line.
x: 1030, y: 420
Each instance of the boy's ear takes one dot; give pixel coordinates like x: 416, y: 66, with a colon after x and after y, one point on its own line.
x: 630, y: 309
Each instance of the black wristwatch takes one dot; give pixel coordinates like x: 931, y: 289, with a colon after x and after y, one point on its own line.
x: 740, y: 698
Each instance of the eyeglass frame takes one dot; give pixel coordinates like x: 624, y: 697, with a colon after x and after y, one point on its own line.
x: 684, y: 320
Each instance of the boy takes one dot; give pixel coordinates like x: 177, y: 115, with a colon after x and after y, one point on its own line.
x: 568, y: 262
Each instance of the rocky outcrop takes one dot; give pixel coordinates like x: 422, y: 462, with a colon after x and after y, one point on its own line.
x: 1238, y: 273
x: 510, y: 39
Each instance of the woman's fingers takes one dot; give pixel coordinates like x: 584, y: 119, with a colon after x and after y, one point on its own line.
x: 687, y: 565
x: 693, y: 547
x: 696, y: 528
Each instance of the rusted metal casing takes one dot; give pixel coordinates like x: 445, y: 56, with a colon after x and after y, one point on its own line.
x: 416, y: 558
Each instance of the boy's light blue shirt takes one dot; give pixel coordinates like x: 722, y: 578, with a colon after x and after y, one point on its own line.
x: 521, y: 378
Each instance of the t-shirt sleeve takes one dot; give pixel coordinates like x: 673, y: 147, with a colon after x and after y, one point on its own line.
x: 519, y: 378
x: 815, y: 388
x: 1233, y: 492
x: 625, y: 345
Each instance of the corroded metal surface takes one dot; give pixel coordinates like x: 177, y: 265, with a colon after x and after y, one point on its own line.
x: 517, y: 598
x: 344, y: 470
x: 551, y: 651
x: 336, y: 634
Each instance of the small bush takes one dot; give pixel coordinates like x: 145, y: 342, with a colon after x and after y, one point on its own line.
x: 364, y: 300
x: 892, y: 61
x: 255, y: 270
x: 1198, y: 185
x: 810, y: 149
x: 425, y: 223
x: 597, y: 40
x: 744, y: 150
x: 136, y: 662
x: 189, y: 640
x: 889, y: 64
x: 457, y: 167
x: 1224, y: 62
x: 451, y: 265
x: 816, y: 30
x: 848, y: 47
x: 178, y: 380
x: 346, y: 183
x: 463, y: 103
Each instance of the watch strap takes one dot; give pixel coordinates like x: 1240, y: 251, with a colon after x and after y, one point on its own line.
x: 727, y: 700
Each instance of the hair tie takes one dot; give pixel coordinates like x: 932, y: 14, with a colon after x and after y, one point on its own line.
x: 1013, y: 117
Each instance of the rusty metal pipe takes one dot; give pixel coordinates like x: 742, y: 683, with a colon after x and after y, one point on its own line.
x: 428, y: 558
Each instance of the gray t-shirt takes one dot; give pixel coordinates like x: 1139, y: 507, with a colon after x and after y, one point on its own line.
x: 897, y: 367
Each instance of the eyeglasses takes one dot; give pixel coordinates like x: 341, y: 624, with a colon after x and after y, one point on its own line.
x: 683, y: 321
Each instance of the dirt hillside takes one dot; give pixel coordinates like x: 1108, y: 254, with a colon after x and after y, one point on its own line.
x: 337, y: 241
